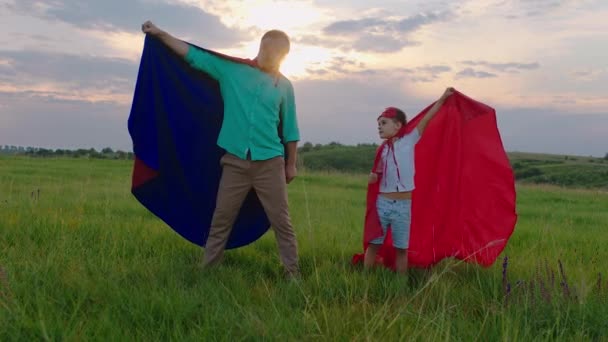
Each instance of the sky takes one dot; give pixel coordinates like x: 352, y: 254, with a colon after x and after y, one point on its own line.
x: 68, y: 67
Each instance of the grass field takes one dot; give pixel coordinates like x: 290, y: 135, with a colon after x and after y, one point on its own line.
x: 81, y: 259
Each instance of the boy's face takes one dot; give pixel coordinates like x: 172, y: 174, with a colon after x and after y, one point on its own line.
x: 387, y: 128
x: 271, y: 54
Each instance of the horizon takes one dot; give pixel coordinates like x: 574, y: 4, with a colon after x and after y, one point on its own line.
x: 3, y: 147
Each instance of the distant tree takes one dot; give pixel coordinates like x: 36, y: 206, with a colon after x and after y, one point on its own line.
x: 81, y: 152
x: 43, y: 152
x: 96, y: 155
x: 606, y: 156
x: 121, y: 154
x: 307, y: 147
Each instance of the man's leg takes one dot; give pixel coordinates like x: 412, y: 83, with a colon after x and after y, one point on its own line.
x: 235, y: 184
x: 270, y: 186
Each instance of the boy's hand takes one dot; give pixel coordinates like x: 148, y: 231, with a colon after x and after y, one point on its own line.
x: 149, y: 28
x: 449, y: 91
x: 373, y: 178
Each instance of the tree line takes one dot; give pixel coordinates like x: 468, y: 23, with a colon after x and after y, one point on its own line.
x: 105, y: 153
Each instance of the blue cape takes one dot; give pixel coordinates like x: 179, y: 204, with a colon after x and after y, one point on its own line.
x: 174, y: 123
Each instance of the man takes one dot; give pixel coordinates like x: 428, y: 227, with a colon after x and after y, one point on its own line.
x: 258, y: 103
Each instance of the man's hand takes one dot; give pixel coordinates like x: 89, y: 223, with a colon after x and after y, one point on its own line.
x: 373, y: 178
x: 149, y: 28
x: 178, y: 46
x: 290, y: 172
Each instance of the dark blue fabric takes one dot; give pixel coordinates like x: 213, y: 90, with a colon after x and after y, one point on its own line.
x: 174, y: 123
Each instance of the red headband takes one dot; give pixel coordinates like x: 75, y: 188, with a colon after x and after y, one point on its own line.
x: 390, y: 113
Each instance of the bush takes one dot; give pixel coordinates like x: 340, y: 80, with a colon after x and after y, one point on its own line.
x: 527, y: 172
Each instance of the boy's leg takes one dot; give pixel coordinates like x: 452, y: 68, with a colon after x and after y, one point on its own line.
x: 372, y: 249
x: 401, y: 222
x: 235, y: 184
x: 369, y: 260
x: 271, y: 188
x: 401, y: 260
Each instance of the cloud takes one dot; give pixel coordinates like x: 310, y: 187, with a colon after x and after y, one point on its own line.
x: 44, y: 120
x: 589, y: 74
x: 475, y: 68
x: 526, y: 9
x: 427, y: 73
x: 353, y: 27
x: 378, y: 25
x: 539, y: 7
x: 128, y: 15
x: 317, y: 40
x: 39, y: 38
x: 345, y: 109
x: 375, y: 34
x: 545, y: 131
x: 381, y: 43
x: 338, y: 67
x: 562, y: 99
x: 342, y: 67
x: 472, y: 73
x: 73, y: 75
x: 504, y: 67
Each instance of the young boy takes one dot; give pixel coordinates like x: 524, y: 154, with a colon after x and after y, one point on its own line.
x: 396, y: 174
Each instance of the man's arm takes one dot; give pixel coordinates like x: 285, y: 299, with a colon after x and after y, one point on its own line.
x: 178, y: 46
x: 431, y: 113
x: 292, y: 158
x: 197, y: 58
x: 290, y: 131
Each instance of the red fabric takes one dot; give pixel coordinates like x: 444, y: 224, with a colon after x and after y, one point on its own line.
x: 141, y: 173
x: 464, y: 202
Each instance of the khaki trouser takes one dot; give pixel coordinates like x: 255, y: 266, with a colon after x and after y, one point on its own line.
x: 267, y: 178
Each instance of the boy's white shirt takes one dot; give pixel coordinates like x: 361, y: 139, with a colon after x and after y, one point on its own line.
x: 404, y: 154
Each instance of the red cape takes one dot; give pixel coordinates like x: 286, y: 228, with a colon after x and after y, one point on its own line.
x: 464, y: 202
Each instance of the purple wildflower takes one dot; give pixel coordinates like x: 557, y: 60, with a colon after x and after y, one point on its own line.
x: 564, y: 282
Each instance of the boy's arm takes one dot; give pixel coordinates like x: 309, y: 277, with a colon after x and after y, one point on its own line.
x: 376, y: 171
x: 431, y: 113
x: 197, y: 58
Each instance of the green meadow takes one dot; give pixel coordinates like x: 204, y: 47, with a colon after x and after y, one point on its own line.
x: 81, y: 259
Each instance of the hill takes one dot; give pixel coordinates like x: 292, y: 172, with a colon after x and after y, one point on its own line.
x: 561, y: 170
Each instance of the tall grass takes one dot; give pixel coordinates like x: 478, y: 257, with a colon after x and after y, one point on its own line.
x: 81, y: 259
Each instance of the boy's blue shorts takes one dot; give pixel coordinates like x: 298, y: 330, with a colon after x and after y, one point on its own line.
x: 398, y: 215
